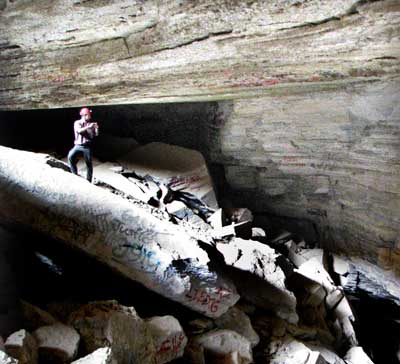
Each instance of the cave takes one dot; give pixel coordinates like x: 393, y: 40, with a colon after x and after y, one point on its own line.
x: 292, y: 104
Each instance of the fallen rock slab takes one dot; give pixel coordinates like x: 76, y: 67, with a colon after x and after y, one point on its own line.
x: 100, y: 356
x: 168, y: 337
x: 5, y: 359
x: 180, y: 168
x: 269, y: 291
x: 356, y: 355
x: 236, y: 320
x: 156, y: 253
x: 109, y: 324
x: 57, y: 343
x: 22, y: 346
x: 220, y: 346
x: 35, y: 317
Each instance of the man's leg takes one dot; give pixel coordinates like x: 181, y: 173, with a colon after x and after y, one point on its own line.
x: 72, y: 159
x: 87, y: 154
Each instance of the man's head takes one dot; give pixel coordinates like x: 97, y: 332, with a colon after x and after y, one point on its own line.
x: 85, y: 113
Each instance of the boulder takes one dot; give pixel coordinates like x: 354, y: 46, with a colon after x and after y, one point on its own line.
x: 21, y: 345
x: 356, y: 355
x: 5, y: 359
x: 264, y: 281
x: 109, y: 324
x: 35, y: 317
x: 168, y: 337
x: 57, y: 343
x: 236, y: 320
x: 100, y: 356
x: 220, y: 346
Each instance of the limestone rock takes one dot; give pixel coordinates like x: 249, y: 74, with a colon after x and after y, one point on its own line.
x: 220, y: 346
x: 168, y: 337
x: 5, y: 359
x: 35, y: 317
x: 356, y: 355
x: 57, y: 342
x: 261, y: 261
x: 116, y: 232
x: 287, y: 350
x: 100, y: 356
x: 236, y: 320
x: 22, y: 346
x: 107, y: 323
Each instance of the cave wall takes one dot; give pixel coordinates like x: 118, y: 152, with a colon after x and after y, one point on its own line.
x: 309, y: 126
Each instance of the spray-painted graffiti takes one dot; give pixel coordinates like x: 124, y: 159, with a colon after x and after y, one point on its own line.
x: 171, y: 345
x: 210, y: 298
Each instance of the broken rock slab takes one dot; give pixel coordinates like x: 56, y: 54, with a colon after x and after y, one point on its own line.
x: 5, y: 359
x: 288, y: 350
x: 57, y: 343
x: 220, y: 346
x: 124, y: 236
x: 100, y: 356
x: 107, y: 323
x: 35, y: 317
x: 236, y: 320
x: 21, y: 345
x: 269, y: 291
x: 356, y: 355
x: 179, y: 168
x: 168, y: 337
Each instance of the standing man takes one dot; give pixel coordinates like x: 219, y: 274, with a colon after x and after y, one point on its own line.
x: 85, y: 131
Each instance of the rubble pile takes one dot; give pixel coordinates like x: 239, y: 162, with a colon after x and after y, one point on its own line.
x: 259, y: 298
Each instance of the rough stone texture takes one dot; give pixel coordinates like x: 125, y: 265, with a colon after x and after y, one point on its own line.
x: 236, y: 320
x: 100, y: 356
x: 22, y: 346
x: 312, y: 131
x: 220, y: 346
x: 269, y: 291
x: 330, y: 157
x: 168, y: 337
x: 107, y: 323
x: 116, y: 232
x: 57, y: 342
x: 356, y: 355
x: 35, y: 317
x: 5, y: 359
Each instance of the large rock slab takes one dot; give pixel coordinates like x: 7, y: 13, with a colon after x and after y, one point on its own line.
x: 127, y: 238
x: 100, y: 356
x: 107, y: 323
x: 269, y: 290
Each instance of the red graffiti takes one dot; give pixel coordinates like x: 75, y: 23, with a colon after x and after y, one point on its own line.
x: 173, y: 344
x: 209, y: 299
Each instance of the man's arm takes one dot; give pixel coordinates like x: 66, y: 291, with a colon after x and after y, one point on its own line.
x: 81, y: 129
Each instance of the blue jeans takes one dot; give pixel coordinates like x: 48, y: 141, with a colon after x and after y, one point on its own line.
x: 86, y: 151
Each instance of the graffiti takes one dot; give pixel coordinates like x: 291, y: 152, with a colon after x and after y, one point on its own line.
x: 56, y: 78
x: 173, y: 344
x: 208, y: 298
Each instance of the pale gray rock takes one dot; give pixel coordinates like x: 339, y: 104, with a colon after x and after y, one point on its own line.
x: 261, y: 261
x: 107, y: 323
x: 236, y: 320
x: 116, y: 232
x: 22, y: 345
x: 168, y: 337
x: 327, y: 353
x: 99, y: 356
x: 356, y: 355
x: 5, y: 359
x: 35, y: 317
x: 57, y: 342
x: 224, y: 345
x: 287, y: 350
